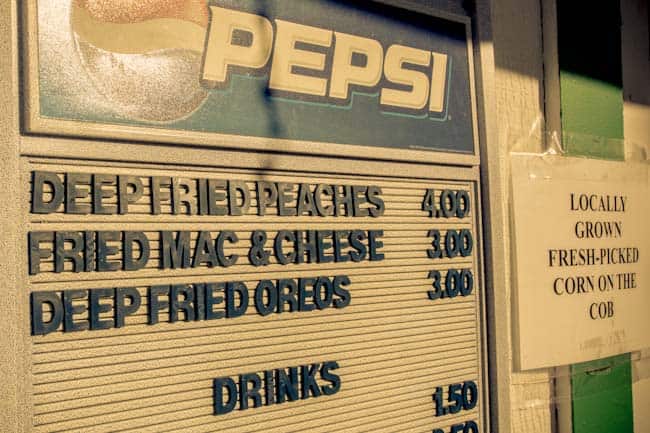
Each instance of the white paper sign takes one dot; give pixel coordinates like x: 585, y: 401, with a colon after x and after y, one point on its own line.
x: 582, y: 245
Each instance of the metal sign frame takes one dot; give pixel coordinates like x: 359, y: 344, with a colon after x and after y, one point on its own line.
x: 62, y: 140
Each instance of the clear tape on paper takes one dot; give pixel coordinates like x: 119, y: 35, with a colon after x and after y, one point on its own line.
x: 574, y: 143
x: 553, y: 377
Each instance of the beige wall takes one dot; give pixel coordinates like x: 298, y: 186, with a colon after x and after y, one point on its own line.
x: 511, y: 80
x: 514, y: 98
x: 636, y: 118
x: 525, y: 97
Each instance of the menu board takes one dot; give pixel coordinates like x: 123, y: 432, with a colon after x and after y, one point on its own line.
x: 214, y: 300
x: 180, y: 279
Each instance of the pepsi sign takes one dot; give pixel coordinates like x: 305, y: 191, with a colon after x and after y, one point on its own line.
x: 324, y: 71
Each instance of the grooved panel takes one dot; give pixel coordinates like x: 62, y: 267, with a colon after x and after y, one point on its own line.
x: 393, y: 346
